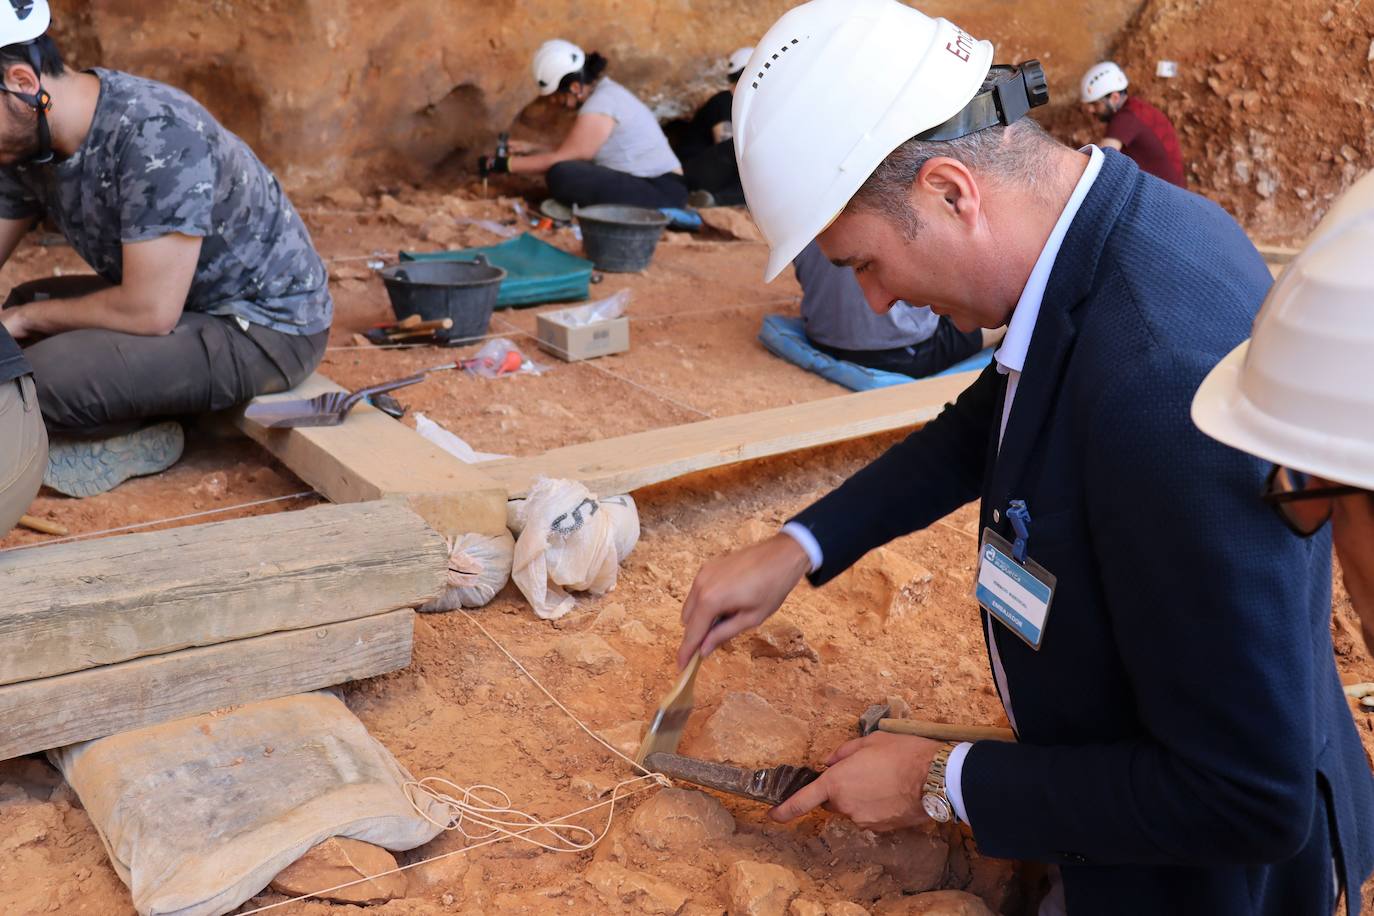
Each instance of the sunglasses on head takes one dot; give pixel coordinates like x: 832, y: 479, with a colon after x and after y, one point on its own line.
x: 1303, y: 507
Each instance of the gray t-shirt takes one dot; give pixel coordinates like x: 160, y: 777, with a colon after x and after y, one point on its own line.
x: 155, y: 163
x: 835, y: 313
x: 636, y: 145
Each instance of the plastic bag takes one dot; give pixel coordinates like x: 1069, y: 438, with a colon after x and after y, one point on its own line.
x: 454, y: 445
x: 200, y: 814
x: 604, y: 310
x: 499, y: 358
x: 478, y: 567
x: 568, y: 541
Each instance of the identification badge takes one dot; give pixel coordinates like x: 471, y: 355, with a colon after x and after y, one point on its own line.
x: 1017, y: 594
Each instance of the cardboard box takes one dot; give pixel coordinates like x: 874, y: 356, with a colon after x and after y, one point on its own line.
x: 573, y: 343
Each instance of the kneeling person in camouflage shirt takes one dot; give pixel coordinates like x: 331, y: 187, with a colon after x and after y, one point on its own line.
x: 207, y: 289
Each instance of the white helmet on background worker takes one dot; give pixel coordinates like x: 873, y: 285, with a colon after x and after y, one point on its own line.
x: 554, y: 60
x: 1101, y: 81
x: 832, y: 89
x: 737, y: 61
x: 1300, y: 392
x: 23, y: 20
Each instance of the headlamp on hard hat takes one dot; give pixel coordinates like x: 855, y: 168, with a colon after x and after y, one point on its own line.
x: 1008, y: 94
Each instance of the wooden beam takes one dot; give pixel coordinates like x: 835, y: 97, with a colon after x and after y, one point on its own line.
x: 56, y: 711
x: 629, y: 462
x: 371, y: 456
x: 75, y: 606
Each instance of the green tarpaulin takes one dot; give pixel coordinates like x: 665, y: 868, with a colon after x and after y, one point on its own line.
x: 536, y: 272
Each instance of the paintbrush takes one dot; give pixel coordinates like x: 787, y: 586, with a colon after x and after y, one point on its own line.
x: 666, y: 730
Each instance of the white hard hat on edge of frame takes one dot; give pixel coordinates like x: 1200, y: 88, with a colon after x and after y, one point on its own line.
x: 1300, y: 391
x: 832, y: 89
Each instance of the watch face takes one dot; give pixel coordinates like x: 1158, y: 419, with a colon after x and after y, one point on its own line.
x: 937, y: 809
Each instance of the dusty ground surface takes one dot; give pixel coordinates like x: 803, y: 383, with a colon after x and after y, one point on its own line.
x: 901, y: 625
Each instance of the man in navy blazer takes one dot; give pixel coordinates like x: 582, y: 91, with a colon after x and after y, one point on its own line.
x: 1183, y: 742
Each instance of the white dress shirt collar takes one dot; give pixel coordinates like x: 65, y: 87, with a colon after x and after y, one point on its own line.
x: 1011, y: 356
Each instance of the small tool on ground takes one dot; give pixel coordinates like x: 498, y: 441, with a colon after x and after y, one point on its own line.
x: 327, y: 409
x: 876, y: 719
x: 665, y: 732
x: 410, y: 329
x: 773, y: 785
x: 43, y: 526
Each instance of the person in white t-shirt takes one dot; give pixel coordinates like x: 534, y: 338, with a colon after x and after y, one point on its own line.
x: 616, y: 152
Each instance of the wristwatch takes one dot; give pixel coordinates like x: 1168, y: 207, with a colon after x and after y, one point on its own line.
x: 934, y: 799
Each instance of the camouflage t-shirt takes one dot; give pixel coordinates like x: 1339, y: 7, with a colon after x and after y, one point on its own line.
x: 155, y: 163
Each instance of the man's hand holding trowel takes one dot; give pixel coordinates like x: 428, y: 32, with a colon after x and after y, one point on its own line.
x: 878, y: 780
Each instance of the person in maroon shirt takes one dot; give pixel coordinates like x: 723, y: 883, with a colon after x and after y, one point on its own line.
x: 1134, y: 126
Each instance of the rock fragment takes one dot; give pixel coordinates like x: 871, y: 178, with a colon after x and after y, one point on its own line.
x: 780, y: 638
x: 337, y: 861
x: 934, y: 903
x: 747, y: 731
x: 589, y: 651
x: 760, y: 889
x: 643, y: 894
x: 682, y: 819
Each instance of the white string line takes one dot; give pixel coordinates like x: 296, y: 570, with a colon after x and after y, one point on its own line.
x: 162, y: 521
x: 493, y: 815
x: 611, y: 802
x: 567, y: 712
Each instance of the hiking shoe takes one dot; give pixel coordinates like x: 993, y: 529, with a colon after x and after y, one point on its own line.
x: 700, y: 200
x: 88, y: 467
x: 556, y: 210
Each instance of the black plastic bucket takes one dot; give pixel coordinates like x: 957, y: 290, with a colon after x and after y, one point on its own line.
x: 465, y: 291
x: 620, y: 239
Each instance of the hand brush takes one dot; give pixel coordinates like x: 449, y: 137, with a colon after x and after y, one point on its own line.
x: 666, y: 730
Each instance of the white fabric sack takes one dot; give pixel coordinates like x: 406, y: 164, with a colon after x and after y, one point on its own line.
x: 200, y: 814
x: 568, y: 541
x: 478, y: 567
x: 624, y: 523
x: 624, y: 519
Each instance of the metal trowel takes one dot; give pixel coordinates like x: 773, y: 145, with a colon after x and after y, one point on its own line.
x: 326, y: 409
x: 772, y: 786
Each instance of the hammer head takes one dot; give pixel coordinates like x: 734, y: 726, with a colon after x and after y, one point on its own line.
x: 868, y: 722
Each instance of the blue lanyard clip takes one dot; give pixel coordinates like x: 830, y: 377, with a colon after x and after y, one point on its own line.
x: 1020, y: 519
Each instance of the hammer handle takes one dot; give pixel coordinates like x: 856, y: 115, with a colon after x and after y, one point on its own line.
x: 939, y: 731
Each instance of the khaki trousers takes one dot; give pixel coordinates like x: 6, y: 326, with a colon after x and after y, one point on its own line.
x: 23, y: 449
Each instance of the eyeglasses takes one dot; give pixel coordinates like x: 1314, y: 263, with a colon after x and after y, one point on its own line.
x: 1303, y: 507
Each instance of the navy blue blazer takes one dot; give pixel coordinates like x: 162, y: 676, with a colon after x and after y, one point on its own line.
x: 1184, y: 743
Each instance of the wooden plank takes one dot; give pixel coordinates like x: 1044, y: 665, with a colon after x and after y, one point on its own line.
x: 629, y: 462
x: 56, y: 711
x: 372, y: 456
x: 75, y: 606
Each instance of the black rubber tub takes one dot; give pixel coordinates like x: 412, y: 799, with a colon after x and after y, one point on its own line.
x: 620, y: 239
x: 462, y: 290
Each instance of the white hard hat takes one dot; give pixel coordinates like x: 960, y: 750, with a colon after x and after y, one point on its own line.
x: 1300, y: 392
x: 23, y: 20
x: 832, y: 89
x: 738, y: 59
x: 1101, y: 81
x: 554, y: 60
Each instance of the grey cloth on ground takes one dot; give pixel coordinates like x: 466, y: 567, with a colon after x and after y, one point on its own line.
x: 23, y: 449
x: 835, y: 313
x: 155, y: 163
x: 637, y: 145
